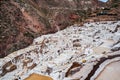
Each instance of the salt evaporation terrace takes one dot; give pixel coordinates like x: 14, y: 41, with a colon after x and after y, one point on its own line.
x: 54, y: 54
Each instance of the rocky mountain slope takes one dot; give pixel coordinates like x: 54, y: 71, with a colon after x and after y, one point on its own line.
x: 86, y: 52
x: 23, y: 20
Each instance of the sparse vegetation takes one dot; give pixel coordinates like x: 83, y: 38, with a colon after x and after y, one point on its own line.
x: 114, y: 5
x: 28, y: 34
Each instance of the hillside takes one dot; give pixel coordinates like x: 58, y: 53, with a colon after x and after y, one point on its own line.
x: 23, y: 20
x: 59, y: 40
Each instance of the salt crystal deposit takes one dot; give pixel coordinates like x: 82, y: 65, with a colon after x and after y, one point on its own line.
x: 53, y: 55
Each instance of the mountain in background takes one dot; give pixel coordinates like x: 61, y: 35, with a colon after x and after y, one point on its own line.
x: 23, y: 20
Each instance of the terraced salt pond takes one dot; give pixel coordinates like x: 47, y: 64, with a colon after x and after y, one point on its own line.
x: 70, y: 54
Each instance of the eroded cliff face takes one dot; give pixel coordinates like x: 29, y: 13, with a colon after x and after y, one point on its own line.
x: 23, y: 20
